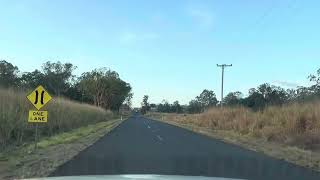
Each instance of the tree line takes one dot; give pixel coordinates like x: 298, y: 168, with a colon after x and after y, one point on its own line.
x: 101, y: 87
x: 258, y: 98
x: 161, y: 107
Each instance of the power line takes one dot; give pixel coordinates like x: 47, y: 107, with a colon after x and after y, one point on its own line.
x: 222, y: 68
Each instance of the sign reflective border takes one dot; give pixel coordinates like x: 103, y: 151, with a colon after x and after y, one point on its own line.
x: 38, y: 116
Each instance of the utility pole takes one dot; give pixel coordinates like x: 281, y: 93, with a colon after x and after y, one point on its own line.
x: 222, y: 67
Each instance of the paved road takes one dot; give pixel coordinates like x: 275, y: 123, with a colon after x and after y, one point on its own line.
x: 144, y: 146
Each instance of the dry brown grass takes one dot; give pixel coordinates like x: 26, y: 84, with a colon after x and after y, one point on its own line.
x: 294, y: 124
x: 63, y: 115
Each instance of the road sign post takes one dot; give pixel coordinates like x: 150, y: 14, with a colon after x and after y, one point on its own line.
x: 36, y: 137
x: 38, y: 98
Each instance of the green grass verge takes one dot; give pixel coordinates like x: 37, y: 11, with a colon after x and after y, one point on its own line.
x: 73, y: 135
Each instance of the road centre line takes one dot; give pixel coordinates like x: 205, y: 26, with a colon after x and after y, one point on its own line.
x: 160, y: 138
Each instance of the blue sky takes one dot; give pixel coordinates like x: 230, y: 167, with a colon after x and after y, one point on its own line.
x: 168, y: 49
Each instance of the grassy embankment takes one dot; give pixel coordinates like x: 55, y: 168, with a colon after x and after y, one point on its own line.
x: 290, y: 132
x: 63, y: 116
x: 71, y: 127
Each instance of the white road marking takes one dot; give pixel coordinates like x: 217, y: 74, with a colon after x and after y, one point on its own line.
x: 160, y: 138
x: 149, y: 127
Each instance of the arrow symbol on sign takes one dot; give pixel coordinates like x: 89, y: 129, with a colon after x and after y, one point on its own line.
x: 36, y: 100
x: 41, y: 100
x: 42, y: 95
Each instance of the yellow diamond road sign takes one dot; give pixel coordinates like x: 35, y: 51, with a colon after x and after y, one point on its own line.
x: 39, y: 97
x: 38, y: 116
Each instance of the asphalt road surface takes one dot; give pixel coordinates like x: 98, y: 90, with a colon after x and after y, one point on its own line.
x: 144, y: 146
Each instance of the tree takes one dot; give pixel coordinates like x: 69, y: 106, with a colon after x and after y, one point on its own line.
x: 95, y: 84
x: 265, y: 90
x: 31, y: 80
x: 74, y: 93
x: 194, y: 106
x: 57, y: 76
x: 92, y: 85
x: 255, y: 101
x: 303, y: 94
x: 145, y: 106
x: 315, y: 88
x: 128, y: 100
x: 232, y: 99
x: 176, y: 107
x: 166, y: 107
x: 207, y: 99
x: 265, y: 95
x: 315, y: 77
x: 153, y: 105
x: 119, y: 91
x: 273, y: 95
x: 291, y: 95
x: 105, y: 88
x: 8, y: 74
x: 278, y: 96
x: 163, y: 106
